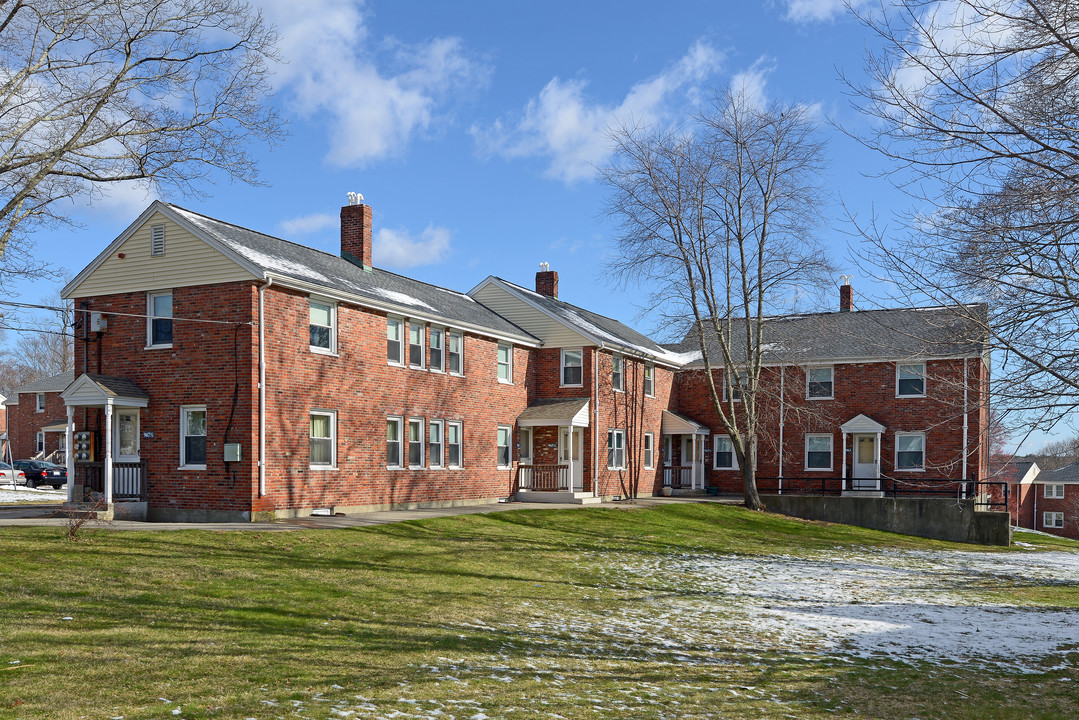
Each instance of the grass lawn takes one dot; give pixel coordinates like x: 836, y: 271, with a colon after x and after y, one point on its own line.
x: 607, y: 612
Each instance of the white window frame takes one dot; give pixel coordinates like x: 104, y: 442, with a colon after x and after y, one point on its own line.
x: 715, y: 453
x: 39, y: 442
x: 440, y: 333
x: 831, y: 382
x: 649, y: 380
x: 739, y: 376
x: 39, y: 402
x: 332, y: 307
x: 1055, y: 493
x: 925, y: 383
x: 508, y: 364
x: 150, y: 318
x: 421, y: 442
x: 422, y: 327
x: 649, y: 451
x: 1053, y: 519
x: 185, y: 410
x: 525, y: 452
x: 460, y: 337
x: 616, y: 453
x: 400, y: 362
x: 895, y: 464
x: 618, y: 372
x: 399, y: 423
x: 440, y: 444
x: 831, y: 451
x: 508, y: 430
x: 157, y: 241
x: 562, y: 367
x: 460, y: 444
x: 332, y: 414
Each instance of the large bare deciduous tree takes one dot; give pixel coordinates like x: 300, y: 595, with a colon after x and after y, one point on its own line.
x: 976, y: 102
x: 716, y: 222
x: 92, y: 92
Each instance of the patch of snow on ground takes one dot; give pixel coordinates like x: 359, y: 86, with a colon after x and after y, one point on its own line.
x: 25, y: 494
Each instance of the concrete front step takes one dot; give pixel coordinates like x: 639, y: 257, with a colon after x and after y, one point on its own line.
x: 577, y: 498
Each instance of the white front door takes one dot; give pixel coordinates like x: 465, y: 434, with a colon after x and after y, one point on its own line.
x: 864, y: 468
x: 569, y: 453
x: 126, y: 435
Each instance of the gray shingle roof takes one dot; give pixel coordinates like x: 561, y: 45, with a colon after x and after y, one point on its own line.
x: 118, y: 386
x: 1068, y: 474
x: 863, y: 335
x: 54, y: 383
x: 299, y: 262
x: 554, y: 410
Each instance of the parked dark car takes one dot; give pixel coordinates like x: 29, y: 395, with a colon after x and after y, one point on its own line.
x: 39, y: 472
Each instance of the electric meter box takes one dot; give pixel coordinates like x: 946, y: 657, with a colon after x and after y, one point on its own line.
x: 232, y: 452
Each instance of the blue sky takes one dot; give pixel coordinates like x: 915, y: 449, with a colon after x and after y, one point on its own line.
x: 472, y: 129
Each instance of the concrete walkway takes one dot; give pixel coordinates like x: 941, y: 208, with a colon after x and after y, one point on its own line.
x: 38, y: 516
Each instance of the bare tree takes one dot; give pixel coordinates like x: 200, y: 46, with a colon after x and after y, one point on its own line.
x: 977, y: 104
x: 98, y: 91
x: 46, y: 344
x: 716, y: 221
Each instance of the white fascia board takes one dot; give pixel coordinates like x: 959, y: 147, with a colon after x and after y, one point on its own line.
x: 395, y: 309
x: 851, y: 361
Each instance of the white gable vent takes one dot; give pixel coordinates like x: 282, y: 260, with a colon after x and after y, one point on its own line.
x: 157, y: 239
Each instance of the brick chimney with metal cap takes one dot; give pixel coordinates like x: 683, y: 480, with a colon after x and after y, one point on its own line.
x: 846, y: 294
x: 356, y: 231
x: 547, y: 281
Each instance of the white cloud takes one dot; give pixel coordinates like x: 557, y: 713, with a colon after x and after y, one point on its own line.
x: 376, y: 97
x: 806, y: 11
x: 123, y: 200
x: 399, y: 249
x: 750, y: 83
x: 307, y: 224
x: 564, y: 126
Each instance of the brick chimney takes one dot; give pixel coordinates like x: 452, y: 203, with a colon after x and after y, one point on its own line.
x: 846, y: 296
x: 547, y: 281
x: 356, y: 231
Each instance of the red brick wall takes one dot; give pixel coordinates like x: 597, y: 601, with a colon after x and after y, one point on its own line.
x: 24, y: 422
x: 1032, y: 506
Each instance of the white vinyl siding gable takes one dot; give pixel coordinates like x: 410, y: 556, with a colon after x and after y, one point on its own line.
x: 553, y: 333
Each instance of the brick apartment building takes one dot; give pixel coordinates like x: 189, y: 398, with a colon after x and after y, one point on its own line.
x: 36, y: 419
x: 222, y: 373
x: 1044, y: 500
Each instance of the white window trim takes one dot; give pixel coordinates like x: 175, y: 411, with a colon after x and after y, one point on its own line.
x: 39, y: 441
x: 39, y: 402
x: 649, y: 392
x: 401, y: 337
x: 621, y: 386
x: 423, y: 345
x: 444, y: 349
x: 895, y: 459
x: 1054, y: 514
x: 422, y: 443
x: 509, y: 446
x: 460, y: 443
x: 925, y: 380
x: 333, y: 440
x: 737, y: 380
x: 649, y: 449
x: 509, y: 363
x: 441, y: 444
x: 461, y: 336
x: 715, y: 454
x: 562, y: 367
x: 150, y: 317
x: 831, y: 452
x: 612, y: 433
x: 402, y: 461
x: 832, y: 381
x: 332, y: 350
x: 1046, y: 494
x: 184, y: 410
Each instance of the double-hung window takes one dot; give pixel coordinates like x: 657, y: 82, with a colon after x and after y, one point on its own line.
x: 435, y: 353
x: 910, y: 380
x: 1054, y: 491
x: 454, y: 444
x: 524, y: 436
x: 41, y: 402
x: 649, y: 380
x: 1053, y: 520
x: 819, y: 383
x: 394, y: 351
x: 436, y: 442
x: 503, y: 446
x: 617, y: 372
x: 323, y: 327
x: 572, y: 368
x: 456, y: 353
x: 323, y: 439
x: 723, y: 449
x: 818, y: 452
x: 394, y: 440
x: 738, y: 383
x: 910, y: 451
x: 415, y: 344
x: 415, y: 443
x: 40, y: 440
x: 159, y: 320
x: 616, y: 449
x: 649, y: 450
x: 505, y: 363
x: 193, y: 437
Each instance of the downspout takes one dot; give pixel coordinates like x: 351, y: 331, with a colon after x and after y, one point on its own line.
x: 966, y: 385
x: 782, y: 409
x: 595, y: 424
x: 262, y: 390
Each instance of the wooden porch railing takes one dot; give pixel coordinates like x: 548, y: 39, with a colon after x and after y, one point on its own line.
x: 128, y: 479
x: 543, y: 478
x: 677, y: 478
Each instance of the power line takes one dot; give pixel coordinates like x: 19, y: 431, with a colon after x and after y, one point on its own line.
x: 31, y: 306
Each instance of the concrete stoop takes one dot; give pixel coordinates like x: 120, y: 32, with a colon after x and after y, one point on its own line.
x: 577, y: 498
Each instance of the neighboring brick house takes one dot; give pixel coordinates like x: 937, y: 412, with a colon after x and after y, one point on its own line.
x: 228, y: 374
x: 36, y: 419
x: 1047, y: 500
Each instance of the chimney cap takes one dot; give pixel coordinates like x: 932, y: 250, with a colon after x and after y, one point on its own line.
x: 545, y: 267
x: 845, y: 278
x: 355, y: 198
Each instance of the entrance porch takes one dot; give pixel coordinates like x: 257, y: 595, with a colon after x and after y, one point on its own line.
x: 687, y: 473
x: 551, y: 436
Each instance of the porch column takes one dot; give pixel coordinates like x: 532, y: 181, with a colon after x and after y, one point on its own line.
x: 876, y: 460
x: 69, y: 456
x: 843, y: 474
x: 693, y: 464
x: 108, y: 451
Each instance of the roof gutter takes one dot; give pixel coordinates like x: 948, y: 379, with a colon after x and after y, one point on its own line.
x: 262, y: 389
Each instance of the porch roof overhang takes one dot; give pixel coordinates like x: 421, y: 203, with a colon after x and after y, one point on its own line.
x: 55, y: 426
x: 91, y: 390
x: 861, y: 424
x: 572, y: 412
x: 674, y: 424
